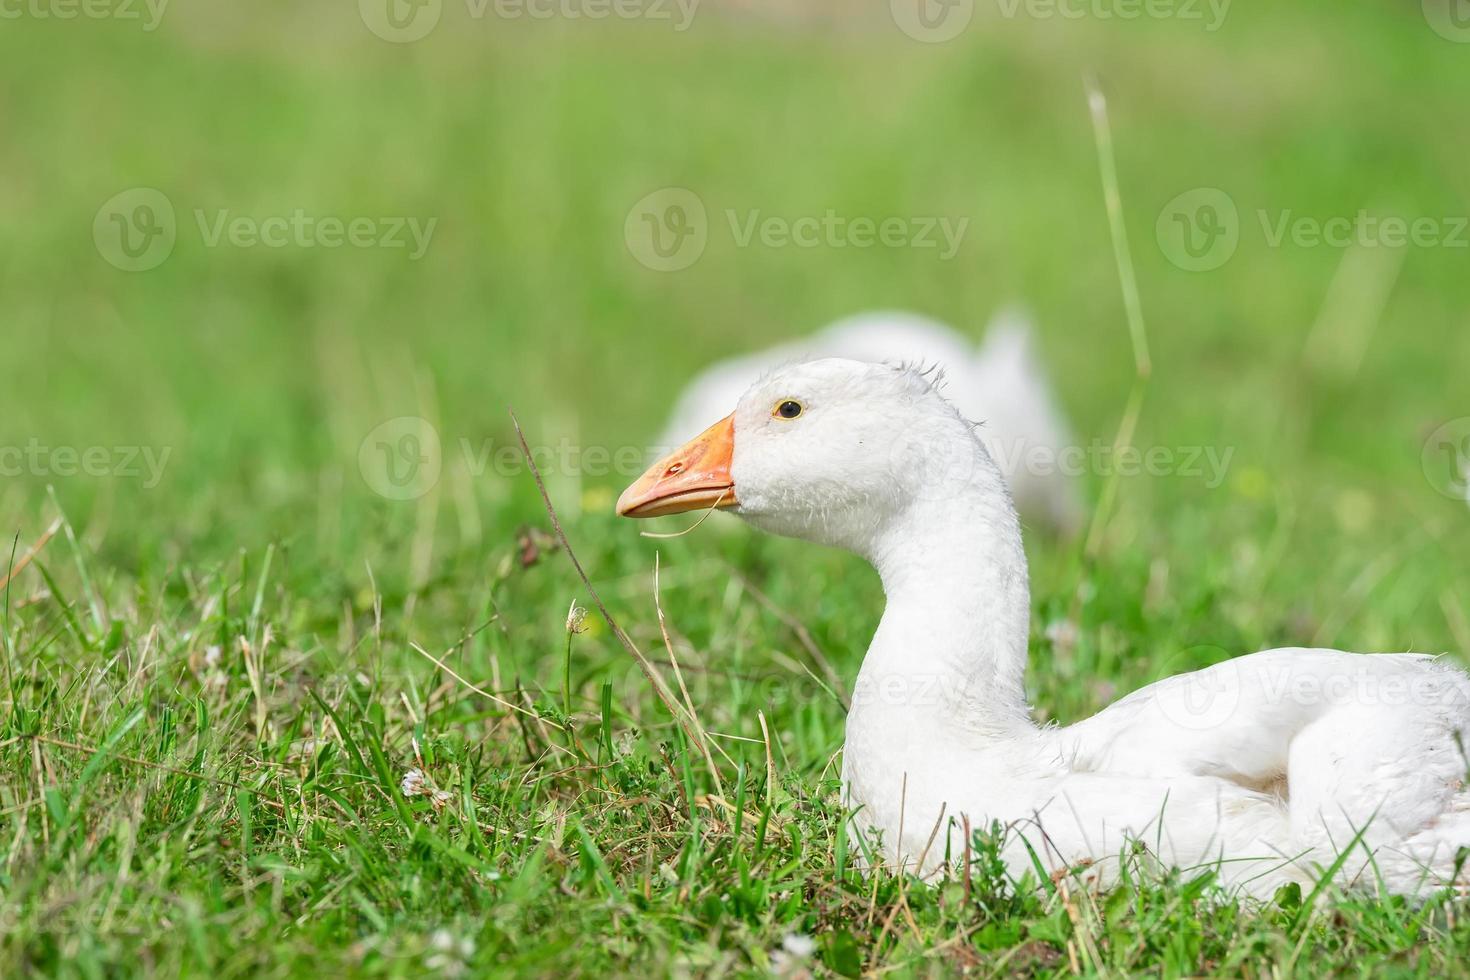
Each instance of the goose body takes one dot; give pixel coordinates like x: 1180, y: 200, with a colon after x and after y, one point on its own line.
x: 1266, y: 767
x: 1002, y: 384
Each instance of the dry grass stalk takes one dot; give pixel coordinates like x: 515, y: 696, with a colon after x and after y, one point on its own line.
x: 660, y: 686
x: 30, y: 554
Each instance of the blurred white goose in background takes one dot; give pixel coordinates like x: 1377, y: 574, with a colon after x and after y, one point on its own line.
x: 1267, y: 766
x: 1001, y: 384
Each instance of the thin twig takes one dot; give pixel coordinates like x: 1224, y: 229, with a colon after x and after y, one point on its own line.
x: 1133, y: 306
x: 924, y: 854
x: 663, y: 628
x: 969, y: 874
x: 19, y: 565
x: 803, y: 635
x: 903, y: 901
x: 134, y: 760
x: 481, y: 691
x: 770, y: 759
x: 9, y: 669
x: 1113, y: 198
x: 1127, y: 427
x: 903, y: 805
x: 660, y: 686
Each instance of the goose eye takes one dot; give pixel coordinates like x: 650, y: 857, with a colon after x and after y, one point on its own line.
x: 788, y: 409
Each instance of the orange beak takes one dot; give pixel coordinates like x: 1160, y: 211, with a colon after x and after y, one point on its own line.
x: 695, y: 476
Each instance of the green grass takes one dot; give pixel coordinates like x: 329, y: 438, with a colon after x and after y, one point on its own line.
x: 212, y: 687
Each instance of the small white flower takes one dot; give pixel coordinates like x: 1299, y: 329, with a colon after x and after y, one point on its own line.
x: 798, y: 945
x: 448, y: 955
x: 415, y: 783
x: 576, y: 619
x: 1063, y: 633
x: 208, y: 667
x: 790, y: 959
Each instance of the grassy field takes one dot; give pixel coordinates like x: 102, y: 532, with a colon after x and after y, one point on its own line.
x: 219, y: 665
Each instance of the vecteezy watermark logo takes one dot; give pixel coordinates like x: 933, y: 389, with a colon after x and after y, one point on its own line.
x: 135, y: 230
x: 150, y: 12
x: 402, y: 458
x: 930, y: 463
x: 400, y: 21
x: 667, y: 230
x: 1450, y: 19
x: 932, y: 21
x: 1446, y: 459
x: 1203, y: 699
x: 1199, y: 230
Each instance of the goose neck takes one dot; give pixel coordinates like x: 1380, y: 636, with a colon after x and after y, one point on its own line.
x: 951, y: 647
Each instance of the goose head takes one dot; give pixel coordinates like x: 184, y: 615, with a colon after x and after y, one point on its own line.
x: 834, y: 451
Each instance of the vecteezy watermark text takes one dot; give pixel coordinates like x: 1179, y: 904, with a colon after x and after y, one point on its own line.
x: 1365, y: 229
x: 565, y: 457
x: 1201, y: 229
x: 679, y: 13
x: 403, y: 459
x: 136, y: 230
x: 405, y: 21
x: 1209, y: 464
x: 1237, y: 690
x: 833, y: 230
x: 668, y: 230
x: 303, y: 230
x: 1215, y: 696
x: 144, y: 463
x: 148, y: 12
x: 937, y: 21
x: 1211, y: 13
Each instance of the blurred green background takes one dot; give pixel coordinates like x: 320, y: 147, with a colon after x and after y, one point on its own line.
x: 528, y: 142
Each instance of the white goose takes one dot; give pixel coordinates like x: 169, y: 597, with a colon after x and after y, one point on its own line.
x: 1267, y: 766
x: 1002, y: 383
